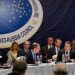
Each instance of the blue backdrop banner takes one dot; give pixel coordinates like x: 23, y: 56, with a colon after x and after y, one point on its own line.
x: 59, y: 20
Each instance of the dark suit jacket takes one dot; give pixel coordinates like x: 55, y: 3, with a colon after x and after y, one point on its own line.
x: 21, y: 53
x: 47, y: 53
x: 30, y: 59
x: 59, y: 57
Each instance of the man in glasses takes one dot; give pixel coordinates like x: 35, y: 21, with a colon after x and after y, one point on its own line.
x: 25, y: 50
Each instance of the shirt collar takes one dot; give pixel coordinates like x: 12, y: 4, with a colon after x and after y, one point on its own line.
x: 57, y: 48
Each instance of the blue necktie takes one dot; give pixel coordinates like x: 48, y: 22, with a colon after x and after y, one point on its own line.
x: 34, y: 57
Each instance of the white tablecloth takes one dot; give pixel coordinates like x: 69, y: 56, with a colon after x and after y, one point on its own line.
x: 42, y: 69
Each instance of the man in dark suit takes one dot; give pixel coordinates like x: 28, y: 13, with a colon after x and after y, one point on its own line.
x: 45, y: 50
x: 33, y: 53
x: 25, y: 50
x: 66, y: 54
x: 54, y: 50
x: 57, y: 45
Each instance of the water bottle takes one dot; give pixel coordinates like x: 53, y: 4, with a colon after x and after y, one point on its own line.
x: 63, y: 57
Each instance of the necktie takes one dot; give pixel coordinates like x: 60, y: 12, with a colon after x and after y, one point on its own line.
x: 67, y: 53
x: 50, y: 46
x: 34, y: 57
x: 57, y: 51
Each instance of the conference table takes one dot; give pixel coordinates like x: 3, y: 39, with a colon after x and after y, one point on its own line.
x: 42, y: 69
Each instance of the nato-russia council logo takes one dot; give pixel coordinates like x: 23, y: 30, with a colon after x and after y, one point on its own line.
x: 19, y: 20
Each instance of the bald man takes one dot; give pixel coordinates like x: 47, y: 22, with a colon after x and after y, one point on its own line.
x: 60, y: 69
